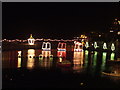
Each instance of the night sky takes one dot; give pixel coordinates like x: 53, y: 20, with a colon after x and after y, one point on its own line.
x: 56, y: 20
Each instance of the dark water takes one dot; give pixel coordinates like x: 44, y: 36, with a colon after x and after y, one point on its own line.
x: 59, y: 69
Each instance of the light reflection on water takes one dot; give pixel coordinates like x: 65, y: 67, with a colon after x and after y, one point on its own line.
x: 30, y: 60
x: 79, y: 60
x: 46, y: 60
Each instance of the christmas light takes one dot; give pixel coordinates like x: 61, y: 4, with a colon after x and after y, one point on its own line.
x: 112, y: 47
x: 46, y: 46
x: 104, y: 46
x: 95, y: 45
x: 87, y: 45
x: 61, y: 46
x: 31, y: 40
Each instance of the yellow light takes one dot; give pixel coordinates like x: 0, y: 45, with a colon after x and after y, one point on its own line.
x: 30, y: 61
x: 46, y: 53
x: 19, y: 63
x: 83, y: 36
x: 119, y: 22
x: 78, y: 59
x: 31, y: 53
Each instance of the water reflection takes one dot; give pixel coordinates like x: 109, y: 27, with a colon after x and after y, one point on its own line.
x: 112, y: 56
x: 46, y: 60
x: 19, y: 59
x: 104, y: 56
x: 61, y: 55
x: 46, y: 53
x: 86, y: 57
x: 30, y: 60
x: 77, y: 61
x: 95, y: 58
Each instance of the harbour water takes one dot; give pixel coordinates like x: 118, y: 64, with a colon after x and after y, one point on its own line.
x: 34, y: 68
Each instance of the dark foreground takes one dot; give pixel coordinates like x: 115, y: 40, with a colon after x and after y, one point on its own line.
x: 22, y: 78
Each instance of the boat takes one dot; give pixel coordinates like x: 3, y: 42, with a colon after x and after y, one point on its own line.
x: 111, y: 74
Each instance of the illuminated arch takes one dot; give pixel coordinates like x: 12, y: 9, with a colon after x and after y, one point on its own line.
x: 78, y: 46
x: 46, y: 46
x: 61, y: 46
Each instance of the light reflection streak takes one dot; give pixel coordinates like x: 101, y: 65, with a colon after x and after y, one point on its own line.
x: 30, y: 61
x: 112, y: 56
x: 61, y: 55
x: 86, y: 58
x: 103, y: 60
x: 95, y: 58
x: 19, y: 59
x: 46, y: 60
x: 77, y: 61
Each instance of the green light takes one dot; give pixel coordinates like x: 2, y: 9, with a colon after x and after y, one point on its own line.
x: 112, y: 47
x: 86, y: 58
x: 87, y: 45
x: 104, y: 46
x: 95, y: 58
x: 112, y: 56
x: 103, y: 60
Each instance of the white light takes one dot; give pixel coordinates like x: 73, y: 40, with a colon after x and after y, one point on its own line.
x: 119, y: 33
x: 31, y: 40
x: 119, y: 22
x: 112, y: 47
x: 104, y: 46
x: 111, y: 30
x: 46, y: 46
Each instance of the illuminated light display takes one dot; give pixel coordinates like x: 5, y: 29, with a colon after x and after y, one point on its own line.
x: 19, y: 53
x: 61, y: 54
x: 30, y: 61
x: 87, y: 45
x: 112, y: 56
x: 46, y: 46
x: 45, y: 54
x: 119, y: 22
x: 83, y: 36
x: 104, y: 46
x: 78, y: 46
x: 60, y: 59
x: 95, y: 45
x: 113, y: 47
x: 31, y: 40
x: 61, y: 46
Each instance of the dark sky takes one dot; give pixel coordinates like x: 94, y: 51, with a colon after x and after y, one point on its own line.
x: 56, y: 20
